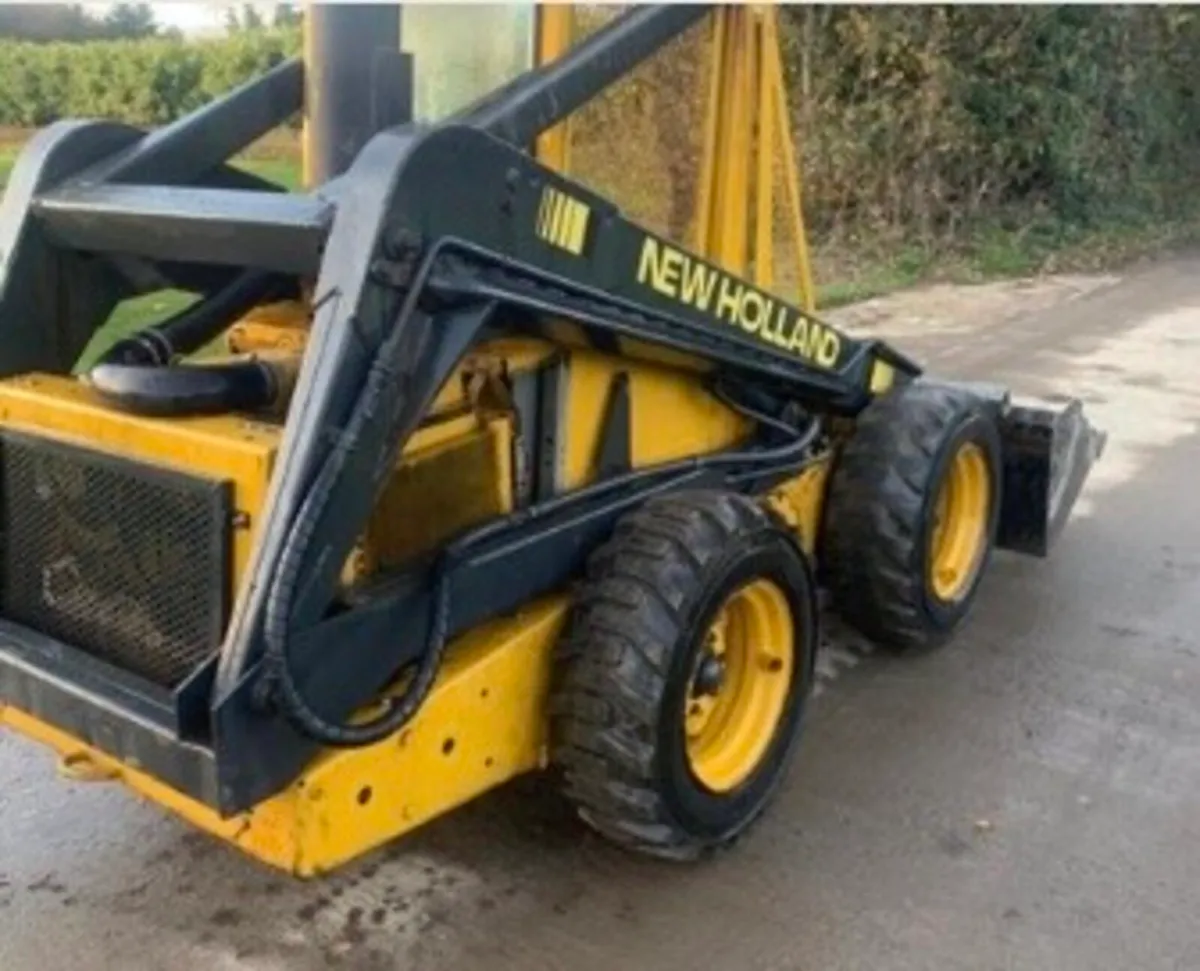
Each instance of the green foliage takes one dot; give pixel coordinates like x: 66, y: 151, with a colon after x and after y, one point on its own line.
x: 932, y: 136
x: 931, y: 120
x: 143, y: 82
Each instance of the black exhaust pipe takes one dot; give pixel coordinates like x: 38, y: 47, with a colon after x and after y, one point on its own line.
x: 139, y: 373
x: 252, y: 384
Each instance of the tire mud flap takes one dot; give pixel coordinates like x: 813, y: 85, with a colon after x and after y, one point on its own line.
x: 1049, y: 449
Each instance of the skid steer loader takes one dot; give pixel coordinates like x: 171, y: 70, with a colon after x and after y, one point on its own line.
x: 487, y: 474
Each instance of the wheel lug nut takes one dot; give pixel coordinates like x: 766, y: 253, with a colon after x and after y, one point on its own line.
x: 709, y: 676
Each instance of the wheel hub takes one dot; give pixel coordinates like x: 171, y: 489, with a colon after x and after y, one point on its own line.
x: 710, y: 676
x: 958, y: 535
x: 739, y: 686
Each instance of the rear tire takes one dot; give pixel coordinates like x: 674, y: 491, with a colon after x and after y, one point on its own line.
x: 670, y: 733
x: 911, y: 514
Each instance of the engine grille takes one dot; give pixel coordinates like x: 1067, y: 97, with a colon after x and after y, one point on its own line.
x: 128, y: 562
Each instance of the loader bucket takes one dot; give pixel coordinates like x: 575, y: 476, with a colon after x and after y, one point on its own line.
x: 1049, y: 450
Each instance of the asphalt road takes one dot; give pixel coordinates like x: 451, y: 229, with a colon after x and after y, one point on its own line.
x: 1024, y: 799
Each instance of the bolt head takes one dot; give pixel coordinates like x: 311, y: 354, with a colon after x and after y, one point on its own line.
x: 710, y: 675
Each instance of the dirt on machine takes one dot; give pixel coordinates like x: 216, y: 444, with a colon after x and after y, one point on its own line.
x: 458, y: 467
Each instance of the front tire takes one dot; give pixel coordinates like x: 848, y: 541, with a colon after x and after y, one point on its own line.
x: 911, y: 514
x: 682, y: 676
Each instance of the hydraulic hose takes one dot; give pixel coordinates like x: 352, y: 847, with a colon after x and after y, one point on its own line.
x: 193, y: 327
x: 279, y: 678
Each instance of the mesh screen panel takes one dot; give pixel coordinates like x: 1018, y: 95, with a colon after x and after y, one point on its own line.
x: 127, y: 562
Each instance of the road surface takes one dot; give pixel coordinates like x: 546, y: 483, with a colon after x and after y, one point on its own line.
x: 1024, y: 799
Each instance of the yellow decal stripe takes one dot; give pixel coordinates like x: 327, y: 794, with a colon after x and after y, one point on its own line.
x: 562, y: 221
x: 568, y: 223
x: 579, y: 224
x: 556, y: 224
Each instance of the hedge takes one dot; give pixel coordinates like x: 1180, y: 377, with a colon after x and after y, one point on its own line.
x: 928, y: 117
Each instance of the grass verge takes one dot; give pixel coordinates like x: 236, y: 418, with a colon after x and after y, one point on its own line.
x: 1027, y: 248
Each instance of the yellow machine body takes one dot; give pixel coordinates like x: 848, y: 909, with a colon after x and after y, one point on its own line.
x: 484, y: 722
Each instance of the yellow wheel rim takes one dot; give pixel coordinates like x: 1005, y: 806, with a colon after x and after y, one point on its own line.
x: 960, y: 524
x: 740, y: 686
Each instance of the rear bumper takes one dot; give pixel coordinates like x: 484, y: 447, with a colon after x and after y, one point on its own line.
x: 105, y: 729
x: 490, y: 698
x: 102, y: 708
